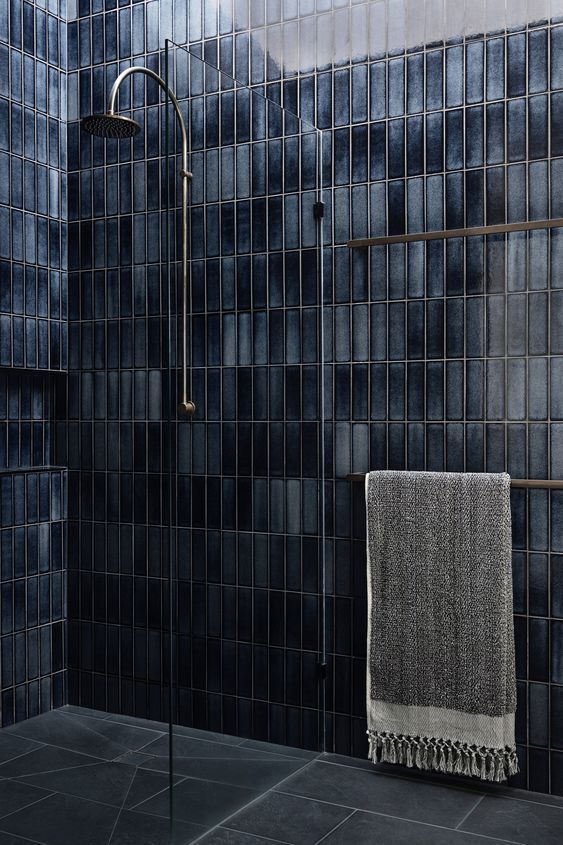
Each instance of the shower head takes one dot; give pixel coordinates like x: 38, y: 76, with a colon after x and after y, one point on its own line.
x: 110, y: 126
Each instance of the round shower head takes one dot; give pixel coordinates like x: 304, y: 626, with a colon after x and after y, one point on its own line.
x: 110, y: 126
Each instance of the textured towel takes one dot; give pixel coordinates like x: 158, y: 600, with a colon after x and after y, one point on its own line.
x: 441, y: 689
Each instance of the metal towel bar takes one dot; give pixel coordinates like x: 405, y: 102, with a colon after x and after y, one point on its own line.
x: 445, y: 234
x: 530, y: 483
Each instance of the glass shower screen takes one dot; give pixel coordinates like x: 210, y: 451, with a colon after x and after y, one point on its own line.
x: 248, y: 571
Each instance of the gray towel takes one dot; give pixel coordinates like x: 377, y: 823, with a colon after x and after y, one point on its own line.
x: 441, y: 689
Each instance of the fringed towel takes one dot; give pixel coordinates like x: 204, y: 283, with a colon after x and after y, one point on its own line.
x: 441, y: 689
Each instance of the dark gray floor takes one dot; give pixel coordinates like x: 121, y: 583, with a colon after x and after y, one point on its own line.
x: 77, y: 777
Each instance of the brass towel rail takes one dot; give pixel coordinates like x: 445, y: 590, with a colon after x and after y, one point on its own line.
x: 444, y: 234
x: 529, y: 483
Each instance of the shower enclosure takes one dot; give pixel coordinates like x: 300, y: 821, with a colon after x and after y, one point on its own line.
x: 247, y: 554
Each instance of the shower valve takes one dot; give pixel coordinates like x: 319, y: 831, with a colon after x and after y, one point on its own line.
x: 187, y: 408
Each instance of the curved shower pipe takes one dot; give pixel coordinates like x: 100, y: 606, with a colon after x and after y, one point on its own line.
x: 114, y: 125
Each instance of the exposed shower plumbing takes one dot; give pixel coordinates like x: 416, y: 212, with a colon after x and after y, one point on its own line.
x: 112, y: 125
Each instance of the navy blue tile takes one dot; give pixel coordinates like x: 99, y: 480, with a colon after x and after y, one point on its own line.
x: 434, y: 79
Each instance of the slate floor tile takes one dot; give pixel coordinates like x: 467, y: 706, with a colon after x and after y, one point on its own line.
x: 299, y: 821
x: 47, y: 758
x: 211, y: 736
x: 365, y: 790
x: 524, y: 822
x: 254, y: 774
x: 84, y: 711
x: 200, y: 801
x: 286, y: 750
x: 14, y: 796
x: 138, y: 721
x: 368, y: 828
x: 56, y: 729
x: 145, y: 785
x: 105, y: 782
x: 133, y: 758
x: 9, y: 839
x: 185, y: 746
x: 179, y: 730
x: 222, y: 836
x: 14, y: 746
x: 141, y: 829
x: 63, y: 820
x: 53, y: 791
x: 129, y: 736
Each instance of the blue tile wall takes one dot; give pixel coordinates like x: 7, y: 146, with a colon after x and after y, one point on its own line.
x: 444, y: 357
x: 33, y: 593
x: 33, y: 318
x: 33, y: 330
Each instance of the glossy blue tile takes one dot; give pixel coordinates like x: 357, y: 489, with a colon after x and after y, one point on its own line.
x: 516, y: 65
x: 495, y: 62
x: 537, y: 126
x: 434, y: 79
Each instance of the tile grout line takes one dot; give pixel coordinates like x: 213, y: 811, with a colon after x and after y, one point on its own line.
x: 24, y: 838
x: 405, y: 777
x: 26, y: 806
x: 466, y: 816
x: 251, y: 803
x: 180, y: 779
x: 23, y: 778
x: 69, y: 750
x: 120, y: 809
x: 385, y: 815
x: 211, y: 741
x: 54, y: 792
x: 97, y: 734
x: 19, y: 756
x: 92, y: 761
x: 336, y: 827
x: 455, y: 786
x: 256, y: 836
x: 135, y: 807
x: 74, y: 717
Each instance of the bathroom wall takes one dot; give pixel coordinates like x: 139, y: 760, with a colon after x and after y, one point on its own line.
x: 117, y: 522
x: 32, y: 357
x: 445, y: 357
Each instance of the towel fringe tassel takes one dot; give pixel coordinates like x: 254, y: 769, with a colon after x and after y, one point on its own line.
x: 440, y: 755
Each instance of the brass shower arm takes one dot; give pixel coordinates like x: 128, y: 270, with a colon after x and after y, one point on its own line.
x: 185, y: 406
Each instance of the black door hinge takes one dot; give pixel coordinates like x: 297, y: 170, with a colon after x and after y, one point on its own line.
x: 319, y: 210
x: 321, y: 670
